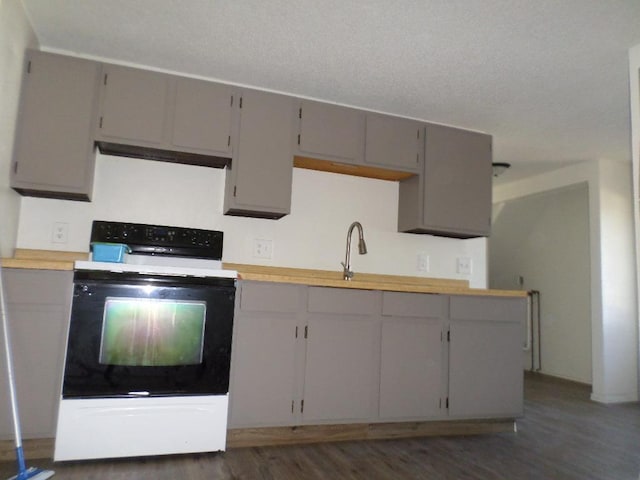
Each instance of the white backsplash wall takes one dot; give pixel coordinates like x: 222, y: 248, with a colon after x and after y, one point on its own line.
x: 312, y: 236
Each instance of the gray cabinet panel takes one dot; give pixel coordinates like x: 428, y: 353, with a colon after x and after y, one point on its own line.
x: 54, y: 150
x: 410, y: 368
x: 453, y: 195
x: 394, y: 142
x: 488, y: 308
x: 262, y: 386
x: 331, y: 132
x: 38, y: 304
x: 202, y: 116
x: 485, y: 351
x: 259, y: 179
x: 269, y: 297
x: 414, y: 305
x: 343, y: 301
x: 341, y: 380
x: 266, y: 362
x: 486, y: 377
x: 134, y: 105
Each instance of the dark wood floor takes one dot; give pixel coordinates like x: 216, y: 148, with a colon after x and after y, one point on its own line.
x: 562, y: 436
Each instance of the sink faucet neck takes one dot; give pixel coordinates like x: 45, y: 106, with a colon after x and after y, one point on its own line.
x: 362, y: 249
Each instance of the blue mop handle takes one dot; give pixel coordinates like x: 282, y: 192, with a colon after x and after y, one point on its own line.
x: 12, y: 381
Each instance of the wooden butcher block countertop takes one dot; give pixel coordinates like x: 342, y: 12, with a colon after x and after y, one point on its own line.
x: 58, y: 260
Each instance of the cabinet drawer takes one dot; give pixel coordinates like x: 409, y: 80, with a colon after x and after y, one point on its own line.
x: 38, y: 287
x: 422, y: 305
x: 269, y: 297
x: 488, y: 308
x: 343, y: 301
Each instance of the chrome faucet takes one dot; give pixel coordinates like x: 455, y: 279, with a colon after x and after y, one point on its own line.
x: 362, y: 249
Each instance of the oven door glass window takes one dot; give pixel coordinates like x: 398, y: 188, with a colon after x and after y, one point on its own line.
x: 135, y: 335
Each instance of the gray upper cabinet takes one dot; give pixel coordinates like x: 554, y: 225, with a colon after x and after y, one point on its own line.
x: 393, y: 142
x: 258, y: 181
x: 203, y: 115
x: 453, y: 195
x: 485, y: 352
x: 53, y: 154
x: 330, y: 132
x: 155, y: 114
x: 134, y: 105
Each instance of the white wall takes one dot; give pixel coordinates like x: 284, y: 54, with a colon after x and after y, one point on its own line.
x: 15, y: 35
x: 614, y: 323
x: 544, y: 238
x: 312, y: 236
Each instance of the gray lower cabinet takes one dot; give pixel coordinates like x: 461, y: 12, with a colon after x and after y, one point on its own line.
x: 485, y: 373
x: 258, y: 180
x: 394, y: 143
x: 315, y: 355
x: 412, y: 366
x: 330, y: 132
x: 164, y: 113
x: 53, y: 154
x: 38, y: 304
x: 342, y: 355
x: 453, y: 195
x: 266, y: 361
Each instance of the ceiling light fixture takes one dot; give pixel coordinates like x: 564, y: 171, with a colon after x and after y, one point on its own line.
x: 499, y: 168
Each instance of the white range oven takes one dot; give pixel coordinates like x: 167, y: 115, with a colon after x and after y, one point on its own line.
x: 149, y: 346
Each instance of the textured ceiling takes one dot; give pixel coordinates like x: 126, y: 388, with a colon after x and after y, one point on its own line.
x: 547, y: 78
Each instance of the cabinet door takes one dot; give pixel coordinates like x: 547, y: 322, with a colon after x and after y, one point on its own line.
x: 134, y: 106
x: 260, y: 175
x: 54, y: 149
x: 394, y: 143
x: 202, y: 116
x: 457, y: 181
x: 411, y: 364
x: 411, y: 367
x: 453, y: 195
x: 343, y: 343
x: 485, y: 357
x: 38, y: 304
x: 331, y: 132
x: 264, y: 364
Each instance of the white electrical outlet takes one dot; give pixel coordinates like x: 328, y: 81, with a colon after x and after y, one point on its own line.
x: 422, y: 264
x: 60, y: 232
x: 262, y: 248
x: 463, y: 265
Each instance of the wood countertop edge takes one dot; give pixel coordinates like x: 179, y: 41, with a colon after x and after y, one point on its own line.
x: 59, y: 260
x: 389, y: 287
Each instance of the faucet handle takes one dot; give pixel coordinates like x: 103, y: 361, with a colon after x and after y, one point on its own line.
x: 347, y: 274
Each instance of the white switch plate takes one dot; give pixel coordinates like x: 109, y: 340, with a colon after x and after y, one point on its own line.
x: 463, y: 265
x: 262, y: 248
x: 422, y: 264
x: 60, y: 232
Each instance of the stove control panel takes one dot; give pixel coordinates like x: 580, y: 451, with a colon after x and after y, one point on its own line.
x: 160, y: 239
